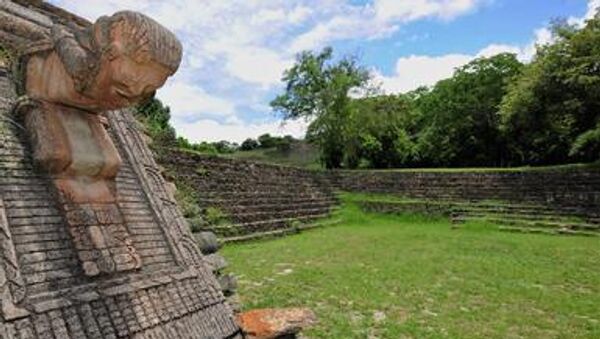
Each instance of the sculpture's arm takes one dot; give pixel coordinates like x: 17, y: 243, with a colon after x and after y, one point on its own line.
x: 79, y: 62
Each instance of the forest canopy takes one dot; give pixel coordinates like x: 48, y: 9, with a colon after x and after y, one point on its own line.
x: 494, y: 111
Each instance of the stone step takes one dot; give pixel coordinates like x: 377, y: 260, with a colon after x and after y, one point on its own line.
x: 239, y: 209
x: 281, y: 232
x: 262, y: 225
x: 547, y: 231
x: 264, y: 194
x: 539, y: 217
x: 291, y: 213
x: 265, y: 201
x: 533, y: 224
x: 241, y: 180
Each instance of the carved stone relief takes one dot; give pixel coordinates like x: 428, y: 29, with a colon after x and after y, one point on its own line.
x: 70, y: 80
x: 12, y: 286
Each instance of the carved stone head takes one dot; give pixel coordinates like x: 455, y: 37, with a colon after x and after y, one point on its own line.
x: 136, y: 56
x: 117, y: 62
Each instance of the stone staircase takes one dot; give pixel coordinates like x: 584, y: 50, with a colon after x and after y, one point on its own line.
x: 257, y: 200
x: 513, y: 217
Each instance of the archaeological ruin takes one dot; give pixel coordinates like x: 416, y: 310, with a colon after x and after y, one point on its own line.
x: 263, y: 200
x: 93, y: 243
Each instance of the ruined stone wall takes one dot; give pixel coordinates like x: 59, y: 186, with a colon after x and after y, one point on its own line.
x: 555, y: 201
x: 576, y: 187
x: 259, y: 198
x: 255, y: 198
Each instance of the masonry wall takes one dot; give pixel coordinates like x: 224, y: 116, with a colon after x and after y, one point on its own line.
x: 262, y: 199
x: 576, y: 187
x: 255, y: 198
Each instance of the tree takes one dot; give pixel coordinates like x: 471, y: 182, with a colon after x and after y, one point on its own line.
x: 552, y: 111
x: 284, y: 144
x: 249, y: 145
x: 382, y: 133
x: 318, y: 89
x: 459, y: 122
x: 267, y: 141
x: 225, y: 146
x: 156, y: 118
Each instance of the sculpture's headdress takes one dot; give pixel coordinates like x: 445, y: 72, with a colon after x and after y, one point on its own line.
x: 143, y: 38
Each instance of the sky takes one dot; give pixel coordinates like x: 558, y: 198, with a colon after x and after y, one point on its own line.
x: 235, y: 51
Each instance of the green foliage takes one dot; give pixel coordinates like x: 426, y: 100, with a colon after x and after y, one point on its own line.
x: 215, y: 216
x: 220, y: 147
x: 459, y: 124
x: 249, y: 145
x: 267, y: 141
x: 318, y: 89
x: 188, y: 201
x: 299, y: 154
x: 201, y: 171
x: 155, y: 116
x: 587, y: 143
x: 414, y: 271
x: 550, y: 113
x: 6, y: 56
x: 382, y: 132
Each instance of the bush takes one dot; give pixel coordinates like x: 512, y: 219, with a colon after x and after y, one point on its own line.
x: 215, y: 216
x: 249, y: 145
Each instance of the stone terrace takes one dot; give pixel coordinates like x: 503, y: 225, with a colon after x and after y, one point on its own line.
x: 257, y: 199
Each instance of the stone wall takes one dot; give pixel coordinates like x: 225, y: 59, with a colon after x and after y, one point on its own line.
x: 262, y: 199
x: 561, y: 187
x: 256, y: 199
x: 553, y: 200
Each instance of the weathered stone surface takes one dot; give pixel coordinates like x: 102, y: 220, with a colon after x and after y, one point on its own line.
x: 96, y: 192
x: 228, y: 283
x: 208, y: 242
x: 68, y: 77
x: 216, y: 262
x: 275, y: 323
x: 256, y: 199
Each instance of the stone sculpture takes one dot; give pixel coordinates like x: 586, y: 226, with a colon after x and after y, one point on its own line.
x: 92, y: 244
x: 69, y: 80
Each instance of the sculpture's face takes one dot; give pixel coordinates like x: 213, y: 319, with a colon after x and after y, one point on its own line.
x: 124, y: 81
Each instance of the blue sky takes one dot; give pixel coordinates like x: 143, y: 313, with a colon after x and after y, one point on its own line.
x: 235, y: 51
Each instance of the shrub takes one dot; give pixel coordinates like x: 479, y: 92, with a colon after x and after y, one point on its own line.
x: 215, y: 216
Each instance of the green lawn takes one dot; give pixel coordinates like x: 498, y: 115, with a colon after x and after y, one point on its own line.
x: 408, y: 277
x: 301, y: 155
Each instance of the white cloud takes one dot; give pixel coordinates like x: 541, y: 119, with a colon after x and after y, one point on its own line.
x: 421, y: 70
x: 378, y: 20
x: 495, y: 49
x: 189, y: 101
x: 211, y: 130
x: 254, y: 65
x: 387, y: 10
x: 592, y: 9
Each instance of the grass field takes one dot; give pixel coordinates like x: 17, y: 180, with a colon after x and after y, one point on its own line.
x: 376, y: 276
x: 301, y: 154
